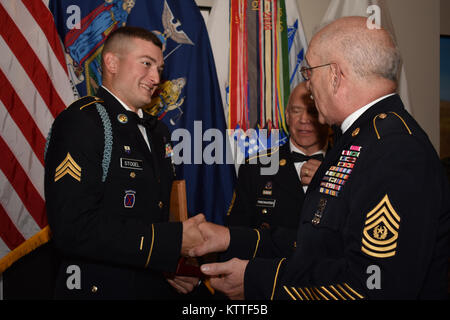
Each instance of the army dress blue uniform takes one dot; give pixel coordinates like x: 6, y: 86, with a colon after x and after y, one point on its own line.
x: 268, y: 203
x: 107, y: 198
x: 375, y: 222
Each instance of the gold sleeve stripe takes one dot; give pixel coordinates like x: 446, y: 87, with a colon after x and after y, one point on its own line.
x: 287, y: 290
x: 353, y: 291
x: 151, y: 246
x: 337, y: 292
x: 232, y: 203
x: 142, y: 243
x: 276, y: 277
x: 321, y: 294
x: 296, y: 293
x: 329, y: 293
x: 316, y: 297
x: 345, y: 292
x: 309, y: 293
x: 304, y: 294
x: 257, y: 242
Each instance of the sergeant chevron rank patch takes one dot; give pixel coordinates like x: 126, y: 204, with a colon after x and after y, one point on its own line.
x: 70, y: 167
x: 380, y: 233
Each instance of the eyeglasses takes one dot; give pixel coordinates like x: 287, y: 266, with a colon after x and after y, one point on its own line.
x: 306, y: 69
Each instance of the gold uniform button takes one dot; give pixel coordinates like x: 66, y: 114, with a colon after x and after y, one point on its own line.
x: 160, y: 204
x: 94, y: 289
x: 132, y: 174
x: 264, y: 211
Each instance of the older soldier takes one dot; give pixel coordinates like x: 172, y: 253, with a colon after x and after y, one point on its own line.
x: 376, y: 219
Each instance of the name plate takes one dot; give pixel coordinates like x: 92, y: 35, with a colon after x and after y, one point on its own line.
x: 131, y: 164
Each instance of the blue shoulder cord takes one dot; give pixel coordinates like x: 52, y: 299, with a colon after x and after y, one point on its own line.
x: 107, y: 150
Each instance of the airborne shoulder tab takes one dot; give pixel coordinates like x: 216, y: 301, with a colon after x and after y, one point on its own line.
x: 385, y: 123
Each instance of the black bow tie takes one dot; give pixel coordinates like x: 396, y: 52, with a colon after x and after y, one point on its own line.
x: 298, y: 157
x: 148, y: 121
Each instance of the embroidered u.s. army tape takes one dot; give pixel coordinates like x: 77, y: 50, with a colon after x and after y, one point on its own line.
x: 380, y: 232
x: 70, y: 167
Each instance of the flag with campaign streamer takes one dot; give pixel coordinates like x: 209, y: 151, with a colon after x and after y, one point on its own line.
x: 188, y: 99
x: 378, y: 12
x: 35, y: 88
x: 258, y: 48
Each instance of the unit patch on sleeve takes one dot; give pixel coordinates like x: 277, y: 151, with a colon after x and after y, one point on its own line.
x: 380, y: 232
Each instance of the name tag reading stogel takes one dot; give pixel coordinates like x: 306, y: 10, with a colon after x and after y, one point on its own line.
x: 131, y: 164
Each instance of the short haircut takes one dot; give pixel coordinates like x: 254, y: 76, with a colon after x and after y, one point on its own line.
x: 122, y: 34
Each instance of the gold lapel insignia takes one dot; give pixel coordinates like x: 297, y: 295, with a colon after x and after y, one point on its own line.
x: 356, y: 132
x: 122, y: 118
x: 380, y: 233
x: 282, y: 162
x: 70, y: 167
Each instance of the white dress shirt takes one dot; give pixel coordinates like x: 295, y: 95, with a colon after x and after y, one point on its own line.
x: 299, y: 165
x: 347, y: 123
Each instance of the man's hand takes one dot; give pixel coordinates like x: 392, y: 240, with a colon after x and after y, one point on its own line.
x: 183, y: 284
x: 308, y: 170
x: 192, y: 236
x: 227, y: 277
x: 216, y: 239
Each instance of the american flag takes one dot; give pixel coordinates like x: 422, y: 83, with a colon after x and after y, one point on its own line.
x: 34, y: 89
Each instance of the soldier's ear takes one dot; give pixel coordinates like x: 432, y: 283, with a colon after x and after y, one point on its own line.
x: 335, y: 77
x: 111, y: 62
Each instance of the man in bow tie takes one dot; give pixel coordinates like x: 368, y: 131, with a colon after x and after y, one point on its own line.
x: 108, y: 177
x: 267, y: 201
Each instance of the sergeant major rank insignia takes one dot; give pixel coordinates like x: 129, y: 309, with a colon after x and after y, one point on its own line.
x: 380, y: 232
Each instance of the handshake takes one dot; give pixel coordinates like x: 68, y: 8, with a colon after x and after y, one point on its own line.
x: 200, y: 238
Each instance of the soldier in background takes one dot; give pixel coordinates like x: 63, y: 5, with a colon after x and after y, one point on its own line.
x: 265, y: 201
